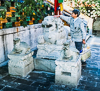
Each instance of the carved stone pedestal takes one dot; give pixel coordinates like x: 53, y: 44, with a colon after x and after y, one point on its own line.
x: 44, y: 64
x: 68, y: 72
x: 21, y: 60
x: 49, y: 52
x: 20, y: 65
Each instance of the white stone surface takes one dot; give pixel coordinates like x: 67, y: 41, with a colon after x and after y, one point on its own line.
x: 26, y: 34
x: 2, y: 55
x: 21, y: 60
x: 50, y: 51
x: 8, y: 46
x: 70, y: 51
x: 85, y: 54
x: 67, y: 29
x: 23, y: 35
x: 35, y: 32
x: 96, y: 25
x: 44, y: 65
x: 50, y: 43
x: 21, y: 67
x: 68, y: 72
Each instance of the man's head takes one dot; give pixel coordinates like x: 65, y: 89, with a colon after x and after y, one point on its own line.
x: 75, y: 13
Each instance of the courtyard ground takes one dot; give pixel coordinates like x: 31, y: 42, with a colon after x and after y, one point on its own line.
x: 45, y: 81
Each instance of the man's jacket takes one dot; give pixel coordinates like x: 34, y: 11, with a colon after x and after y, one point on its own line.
x: 77, y: 29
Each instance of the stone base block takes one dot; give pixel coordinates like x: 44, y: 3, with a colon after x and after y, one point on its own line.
x: 68, y: 72
x: 85, y: 54
x: 51, y: 51
x: 21, y: 67
x: 44, y: 65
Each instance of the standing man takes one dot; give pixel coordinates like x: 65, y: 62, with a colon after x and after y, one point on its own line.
x: 77, y: 30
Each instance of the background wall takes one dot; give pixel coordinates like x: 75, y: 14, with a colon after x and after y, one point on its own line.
x: 28, y: 34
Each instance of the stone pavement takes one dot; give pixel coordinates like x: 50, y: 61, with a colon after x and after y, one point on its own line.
x: 45, y: 81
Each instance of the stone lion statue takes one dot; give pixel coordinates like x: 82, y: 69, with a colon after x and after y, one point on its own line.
x: 70, y: 52
x: 20, y: 47
x: 50, y: 43
x: 54, y: 32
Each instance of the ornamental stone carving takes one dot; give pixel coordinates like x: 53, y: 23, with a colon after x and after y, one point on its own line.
x: 21, y: 60
x: 70, y: 53
x: 50, y: 44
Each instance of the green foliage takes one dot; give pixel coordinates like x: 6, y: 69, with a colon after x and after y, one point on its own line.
x: 6, y: 4
x: 34, y: 9
x: 89, y: 7
x: 3, y: 8
x: 3, y: 13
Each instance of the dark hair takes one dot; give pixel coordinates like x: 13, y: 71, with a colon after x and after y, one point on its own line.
x: 76, y: 11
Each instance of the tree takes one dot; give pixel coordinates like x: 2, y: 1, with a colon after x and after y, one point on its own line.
x: 31, y: 8
x: 89, y: 7
x: 28, y: 10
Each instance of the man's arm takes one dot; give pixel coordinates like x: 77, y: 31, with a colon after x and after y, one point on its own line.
x: 65, y: 18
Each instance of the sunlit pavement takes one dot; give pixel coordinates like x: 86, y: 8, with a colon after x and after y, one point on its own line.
x: 45, y: 81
